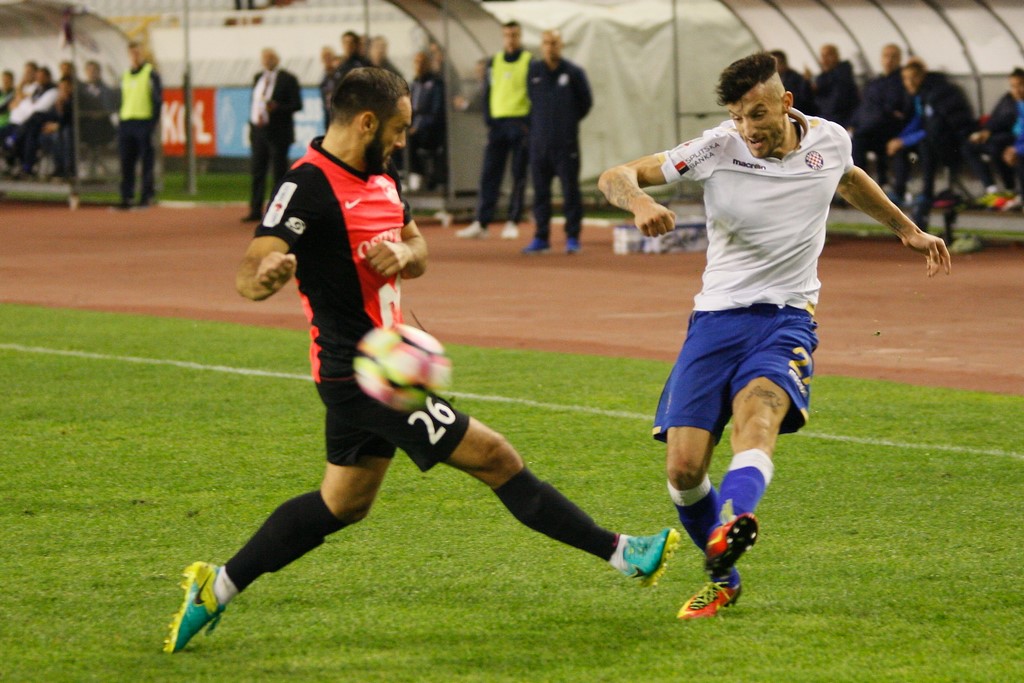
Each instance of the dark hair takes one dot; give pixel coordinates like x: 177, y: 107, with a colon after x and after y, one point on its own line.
x: 368, y: 88
x: 742, y: 75
x: 780, y: 57
x: 915, y: 65
x: 1017, y: 73
x: 511, y: 24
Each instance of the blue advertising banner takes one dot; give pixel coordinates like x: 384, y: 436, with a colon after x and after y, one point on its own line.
x: 232, y: 106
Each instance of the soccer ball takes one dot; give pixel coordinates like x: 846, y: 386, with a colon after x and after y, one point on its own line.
x: 399, y: 366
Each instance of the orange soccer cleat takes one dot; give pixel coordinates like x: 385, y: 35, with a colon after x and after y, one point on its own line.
x: 728, y: 542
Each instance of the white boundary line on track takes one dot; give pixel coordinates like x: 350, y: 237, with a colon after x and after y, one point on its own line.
x: 251, y: 372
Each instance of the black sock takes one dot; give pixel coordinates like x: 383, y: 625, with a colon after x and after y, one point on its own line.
x: 541, y: 506
x: 292, y: 530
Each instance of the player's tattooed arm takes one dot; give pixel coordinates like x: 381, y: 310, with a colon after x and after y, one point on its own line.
x: 622, y: 185
x: 864, y: 194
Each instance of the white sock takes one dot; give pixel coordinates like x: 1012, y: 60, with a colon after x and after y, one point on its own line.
x: 617, y: 560
x: 224, y: 587
x: 686, y: 497
x: 757, y: 458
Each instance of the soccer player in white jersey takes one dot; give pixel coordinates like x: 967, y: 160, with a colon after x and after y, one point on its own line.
x: 769, y: 175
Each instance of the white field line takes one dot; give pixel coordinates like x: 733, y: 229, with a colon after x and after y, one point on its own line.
x: 625, y: 414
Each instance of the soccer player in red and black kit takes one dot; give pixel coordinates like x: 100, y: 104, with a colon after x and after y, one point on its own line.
x: 339, y: 225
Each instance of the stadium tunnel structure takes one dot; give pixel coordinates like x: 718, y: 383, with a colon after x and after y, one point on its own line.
x: 653, y: 64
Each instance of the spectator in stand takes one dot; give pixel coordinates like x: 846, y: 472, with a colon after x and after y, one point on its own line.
x: 276, y: 97
x: 940, y: 121
x: 352, y: 54
x: 27, y: 85
x: 880, y: 115
x: 473, y: 100
x: 560, y: 97
x: 378, y: 54
x: 58, y: 135
x: 508, y: 134
x: 42, y: 132
x: 96, y: 103
x: 141, y: 98
x: 330, y: 62
x: 794, y: 82
x: 427, y: 133
x: 835, y: 91
x: 7, y: 93
x: 66, y: 69
x: 351, y: 58
x: 20, y: 136
x: 1001, y: 132
x: 1013, y: 155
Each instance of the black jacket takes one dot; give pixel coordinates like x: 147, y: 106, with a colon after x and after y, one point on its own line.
x: 948, y: 116
x: 836, y: 94
x: 1004, y: 116
x: 288, y: 98
x: 559, y: 100
x: 883, y: 102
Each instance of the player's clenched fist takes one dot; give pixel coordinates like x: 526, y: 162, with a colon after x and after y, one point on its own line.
x: 388, y: 258
x: 275, y: 270
x: 653, y: 219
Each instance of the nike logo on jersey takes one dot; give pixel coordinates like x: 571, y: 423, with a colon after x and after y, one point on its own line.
x: 349, y: 205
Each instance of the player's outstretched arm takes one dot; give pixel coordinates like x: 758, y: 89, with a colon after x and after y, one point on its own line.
x: 864, y: 194
x: 622, y: 186
x: 265, y: 268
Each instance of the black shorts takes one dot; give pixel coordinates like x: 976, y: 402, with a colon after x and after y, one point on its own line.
x: 358, y: 425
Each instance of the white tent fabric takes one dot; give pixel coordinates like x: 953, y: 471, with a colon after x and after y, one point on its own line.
x: 653, y: 86
x: 33, y: 30
x: 628, y: 52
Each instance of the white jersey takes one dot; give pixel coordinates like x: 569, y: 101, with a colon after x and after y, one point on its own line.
x: 765, y: 217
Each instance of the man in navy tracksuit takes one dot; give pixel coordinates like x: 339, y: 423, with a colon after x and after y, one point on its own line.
x: 559, y: 98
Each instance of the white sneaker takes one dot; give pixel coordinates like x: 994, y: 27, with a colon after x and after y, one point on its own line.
x: 445, y: 218
x: 474, y: 231
x: 510, y: 231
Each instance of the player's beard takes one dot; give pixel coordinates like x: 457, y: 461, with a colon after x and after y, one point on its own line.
x: 375, y: 158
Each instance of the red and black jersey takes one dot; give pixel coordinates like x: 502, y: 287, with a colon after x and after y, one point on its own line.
x: 330, y: 214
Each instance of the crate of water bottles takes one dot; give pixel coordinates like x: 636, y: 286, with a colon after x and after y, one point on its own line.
x: 688, y: 235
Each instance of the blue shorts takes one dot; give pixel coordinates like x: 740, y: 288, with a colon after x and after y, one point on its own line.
x: 724, y: 351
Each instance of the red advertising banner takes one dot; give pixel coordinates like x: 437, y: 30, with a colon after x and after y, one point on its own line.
x: 172, y: 122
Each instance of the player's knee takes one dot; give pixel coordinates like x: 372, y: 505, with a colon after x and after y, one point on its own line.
x: 685, y: 473
x: 498, y: 459
x: 349, y: 510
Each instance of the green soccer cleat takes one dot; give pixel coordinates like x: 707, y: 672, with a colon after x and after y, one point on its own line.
x: 199, y: 608
x: 646, y: 556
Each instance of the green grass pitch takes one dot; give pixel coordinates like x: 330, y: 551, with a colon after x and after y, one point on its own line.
x: 890, y: 547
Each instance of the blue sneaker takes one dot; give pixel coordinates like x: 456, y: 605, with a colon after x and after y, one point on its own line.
x: 647, y: 556
x: 572, y: 245
x: 199, y: 608
x: 537, y: 246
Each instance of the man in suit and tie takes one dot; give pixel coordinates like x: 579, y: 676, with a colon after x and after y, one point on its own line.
x: 275, y: 99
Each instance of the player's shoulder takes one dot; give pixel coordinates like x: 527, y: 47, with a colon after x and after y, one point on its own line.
x: 826, y: 129
x: 306, y: 176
